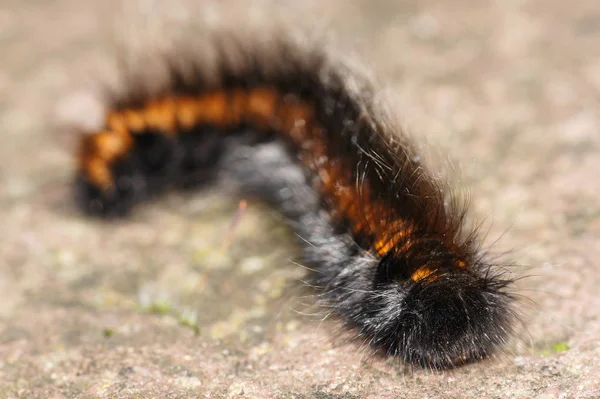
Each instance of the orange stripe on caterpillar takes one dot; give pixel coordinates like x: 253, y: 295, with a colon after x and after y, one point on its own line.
x: 265, y: 108
x: 261, y: 107
x: 97, y: 151
x: 161, y: 115
x: 170, y: 115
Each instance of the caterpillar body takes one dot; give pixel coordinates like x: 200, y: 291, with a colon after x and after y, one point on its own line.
x: 390, y: 249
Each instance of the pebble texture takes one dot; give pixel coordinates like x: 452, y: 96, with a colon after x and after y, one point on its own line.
x: 159, y: 307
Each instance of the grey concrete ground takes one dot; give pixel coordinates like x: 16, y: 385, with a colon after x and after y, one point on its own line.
x: 154, y: 307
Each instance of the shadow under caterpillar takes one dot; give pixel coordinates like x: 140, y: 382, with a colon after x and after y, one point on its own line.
x: 288, y: 123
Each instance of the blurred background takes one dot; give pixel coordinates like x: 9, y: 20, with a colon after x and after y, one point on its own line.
x: 156, y: 306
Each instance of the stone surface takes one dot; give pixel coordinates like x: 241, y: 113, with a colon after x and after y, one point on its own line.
x: 157, y: 307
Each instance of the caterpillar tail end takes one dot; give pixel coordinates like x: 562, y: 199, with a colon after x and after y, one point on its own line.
x: 443, y: 320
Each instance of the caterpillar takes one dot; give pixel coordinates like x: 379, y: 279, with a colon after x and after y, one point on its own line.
x: 291, y: 123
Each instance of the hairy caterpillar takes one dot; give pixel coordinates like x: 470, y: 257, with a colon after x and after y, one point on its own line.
x: 291, y: 124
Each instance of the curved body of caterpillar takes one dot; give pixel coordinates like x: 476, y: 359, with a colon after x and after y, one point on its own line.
x: 304, y: 133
